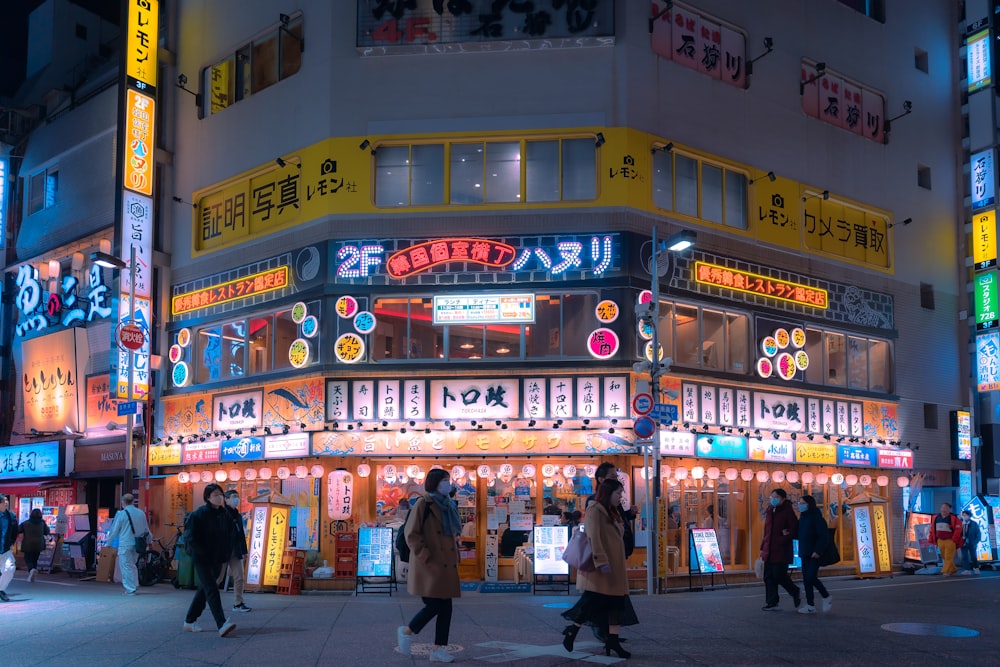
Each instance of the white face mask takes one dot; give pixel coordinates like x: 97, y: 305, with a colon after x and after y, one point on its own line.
x: 444, y: 488
x: 234, y: 501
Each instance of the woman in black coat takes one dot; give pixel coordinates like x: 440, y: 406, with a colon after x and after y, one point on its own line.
x: 814, y: 536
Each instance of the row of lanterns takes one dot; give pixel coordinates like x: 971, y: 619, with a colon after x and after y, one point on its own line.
x: 778, y: 476
x: 250, y: 474
x: 390, y: 472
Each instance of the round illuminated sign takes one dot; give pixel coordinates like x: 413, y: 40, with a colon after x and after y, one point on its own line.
x: 184, y: 337
x: 175, y: 354
x: 364, y: 322
x: 349, y: 348
x: 346, y: 306
x: 299, y: 312
x: 646, y: 330
x: 801, y: 360
x: 181, y: 374
x: 310, y: 326
x: 798, y: 337
x: 785, y: 366
x: 769, y: 346
x: 298, y: 353
x: 607, y: 311
x: 648, y: 352
x: 764, y: 367
x: 132, y: 337
x: 781, y: 336
x: 602, y: 343
x: 645, y: 296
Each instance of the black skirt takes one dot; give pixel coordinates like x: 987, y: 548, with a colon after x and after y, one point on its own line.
x: 602, y: 610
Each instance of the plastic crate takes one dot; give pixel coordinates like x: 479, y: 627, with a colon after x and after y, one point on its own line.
x: 293, y: 567
x: 345, y: 559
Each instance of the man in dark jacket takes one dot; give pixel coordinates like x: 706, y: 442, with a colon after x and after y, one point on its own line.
x: 238, y: 555
x: 776, y: 549
x: 970, y: 542
x: 208, y: 536
x: 8, y: 534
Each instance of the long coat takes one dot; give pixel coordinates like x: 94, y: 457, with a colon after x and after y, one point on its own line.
x: 609, y: 549
x: 814, y: 534
x: 433, y: 555
x: 776, y: 547
x: 34, y: 536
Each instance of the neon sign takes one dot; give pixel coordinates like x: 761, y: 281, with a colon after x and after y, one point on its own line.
x: 751, y: 283
x: 3, y: 198
x: 253, y: 285
x: 39, y: 312
x: 423, y: 256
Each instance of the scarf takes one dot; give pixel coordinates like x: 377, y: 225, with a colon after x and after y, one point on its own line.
x: 449, y: 514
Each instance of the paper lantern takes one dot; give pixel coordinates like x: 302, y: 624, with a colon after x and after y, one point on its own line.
x: 528, y: 470
x: 413, y: 471
x: 746, y: 475
x: 589, y: 470
x: 883, y: 480
x: 182, y: 477
x: 792, y: 477
x: 235, y: 475
x: 807, y: 478
x: 194, y: 476
x: 389, y: 473
x: 364, y: 470
x: 207, y: 476
x: 732, y: 474
x: 713, y: 473
x: 778, y: 476
x: 866, y: 480
x: 569, y: 471
x: 851, y: 480
x: 822, y: 478
x: 458, y: 472
x: 548, y: 470
x: 483, y: 471
x: 316, y: 471
x: 549, y: 481
x: 250, y: 474
x: 265, y: 473
x: 902, y: 482
x: 507, y: 470
x: 837, y: 478
x: 339, y: 494
x: 680, y: 472
x: 301, y: 472
x: 283, y: 472
x: 762, y: 476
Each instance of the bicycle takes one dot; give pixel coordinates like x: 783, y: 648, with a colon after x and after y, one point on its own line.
x: 154, y: 566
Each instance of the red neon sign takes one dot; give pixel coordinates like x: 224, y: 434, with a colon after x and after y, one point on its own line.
x: 423, y: 256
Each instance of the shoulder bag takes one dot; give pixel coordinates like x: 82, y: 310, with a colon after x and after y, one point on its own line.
x: 140, y: 540
x: 830, y: 555
x: 579, y: 553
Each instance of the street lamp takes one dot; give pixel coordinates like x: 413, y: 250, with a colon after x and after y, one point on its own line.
x: 108, y: 261
x: 656, y: 367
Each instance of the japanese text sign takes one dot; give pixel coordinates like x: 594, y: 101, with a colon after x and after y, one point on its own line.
x: 239, y: 410
x: 744, y: 281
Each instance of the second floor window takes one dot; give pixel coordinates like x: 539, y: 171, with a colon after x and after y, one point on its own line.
x: 699, y: 189
x: 43, y: 188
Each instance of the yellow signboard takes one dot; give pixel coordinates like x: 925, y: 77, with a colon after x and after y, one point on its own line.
x: 274, y: 548
x: 813, y: 452
x: 777, y: 212
x: 141, y: 39
x: 752, y: 283
x: 220, y: 77
x: 249, y: 286
x: 138, y: 144
x: 881, y: 538
x: 984, y: 239
x: 164, y: 455
x: 842, y: 230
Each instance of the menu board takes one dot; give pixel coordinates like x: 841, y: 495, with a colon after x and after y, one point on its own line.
x: 704, y: 552
x: 375, y: 552
x: 550, y: 543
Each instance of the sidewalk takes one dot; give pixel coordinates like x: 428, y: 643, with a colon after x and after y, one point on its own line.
x: 62, y: 621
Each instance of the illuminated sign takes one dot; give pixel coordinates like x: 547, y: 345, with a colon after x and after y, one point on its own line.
x: 38, y: 310
x: 732, y: 447
x: 120, y: 356
x: 988, y: 362
x: 141, y: 40
x: 274, y: 547
x: 897, y: 459
x: 751, y: 283
x: 423, y: 256
x: 165, y: 455
x: 484, y: 309
x: 247, y: 448
x: 676, y: 443
x: 811, y: 452
x: 773, y: 451
x: 239, y: 410
x: 987, y: 303
x: 977, y: 60
x: 981, y: 175
x: 201, y: 452
x: 375, y: 552
x: 961, y: 433
x: 3, y: 199
x: 138, y: 142
x: 286, y: 446
x: 984, y: 239
x: 52, y: 389
x: 857, y: 456
x: 38, y: 459
x: 253, y: 285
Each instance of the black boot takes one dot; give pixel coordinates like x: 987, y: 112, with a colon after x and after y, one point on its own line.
x: 613, y: 644
x: 569, y: 635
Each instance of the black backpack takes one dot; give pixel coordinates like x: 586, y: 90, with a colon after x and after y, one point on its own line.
x: 401, y: 546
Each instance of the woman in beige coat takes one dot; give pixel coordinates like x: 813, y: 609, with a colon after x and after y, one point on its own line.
x: 605, y: 600
x: 431, y: 532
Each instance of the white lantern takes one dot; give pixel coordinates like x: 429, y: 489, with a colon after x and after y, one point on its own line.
x: 283, y: 472
x: 762, y: 476
x: 883, y: 480
x: 902, y: 482
x: 235, y: 475
x: 483, y: 471
x: 713, y: 473
x: 182, y: 477
x: 822, y: 478
x: 837, y: 478
x: 207, y: 476
x: 664, y: 471
x: 250, y: 474
x: 548, y: 470
x: 807, y: 477
x: 389, y: 474
x: 589, y: 470
x: 697, y: 472
x: 528, y: 470
x: 265, y: 473
x: 778, y: 476
x: 507, y: 470
x: 301, y: 472
x: 549, y: 482
x: 339, y: 494
x: 413, y: 471
x: 680, y: 472
x: 569, y: 471
x: 851, y: 480
x: 866, y: 480
x: 746, y: 474
x: 458, y: 472
x: 317, y: 471
x: 194, y: 476
x: 364, y: 470
x: 792, y: 477
x: 732, y: 474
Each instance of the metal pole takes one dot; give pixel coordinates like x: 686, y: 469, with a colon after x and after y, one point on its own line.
x: 653, y: 584
x: 650, y: 526
x: 973, y: 439
x: 130, y: 418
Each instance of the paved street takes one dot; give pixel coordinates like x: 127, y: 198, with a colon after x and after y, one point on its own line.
x: 62, y: 621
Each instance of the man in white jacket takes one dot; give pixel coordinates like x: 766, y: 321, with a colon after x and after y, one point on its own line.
x: 126, y: 533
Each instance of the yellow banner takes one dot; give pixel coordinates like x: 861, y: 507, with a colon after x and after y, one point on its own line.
x: 835, y: 228
x: 277, y: 534
x: 984, y: 238
x: 812, y: 452
x: 164, y: 455
x: 140, y: 40
x: 219, y: 85
x: 138, y: 144
x: 881, y: 538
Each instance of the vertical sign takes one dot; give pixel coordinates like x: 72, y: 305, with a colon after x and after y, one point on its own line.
x: 881, y: 538
x: 984, y: 239
x: 961, y: 434
x: 3, y: 199
x: 986, y: 301
x: 977, y: 60
x: 982, y: 177
x: 256, y: 557
x: 863, y: 535
x: 988, y: 362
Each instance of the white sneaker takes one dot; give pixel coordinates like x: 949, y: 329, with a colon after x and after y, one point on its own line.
x: 807, y: 609
x: 192, y: 627
x: 965, y: 573
x: 827, y: 603
x: 226, y: 628
x: 441, y: 655
x: 31, y: 574
x: 403, y: 640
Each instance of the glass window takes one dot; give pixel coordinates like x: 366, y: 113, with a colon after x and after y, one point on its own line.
x: 665, y: 331
x: 817, y: 360
x: 465, y: 342
x: 836, y: 360
x: 857, y: 363
x: 542, y: 339
x: 261, y: 344
x: 427, y: 174
x: 265, y: 62
x: 686, y: 326
x: 578, y: 322
x: 711, y: 193
x: 687, y: 185
x: 663, y: 180
x: 244, y: 74
x: 579, y: 169
x: 392, y: 176
x: 503, y: 171
x: 291, y: 48
x: 503, y: 491
x: 285, y: 333
x: 736, y: 200
x: 713, y: 339
x: 738, y: 337
x: 222, y: 352
x: 391, y: 333
x: 426, y: 340
x: 542, y: 177
x: 503, y: 341
x: 36, y: 196
x: 467, y: 173
x: 880, y: 366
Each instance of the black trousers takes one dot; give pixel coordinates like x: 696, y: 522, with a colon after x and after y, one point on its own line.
x: 208, y: 592
x: 810, y: 579
x: 776, y: 574
x: 439, y: 607
x: 31, y: 559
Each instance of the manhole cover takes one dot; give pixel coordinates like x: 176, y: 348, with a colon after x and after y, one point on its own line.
x: 930, y: 630
x: 558, y: 605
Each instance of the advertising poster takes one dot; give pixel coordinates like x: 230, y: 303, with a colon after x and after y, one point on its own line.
x: 375, y: 552
x: 550, y: 543
x: 918, y: 546
x: 492, y: 561
x: 705, y: 555
x: 521, y: 521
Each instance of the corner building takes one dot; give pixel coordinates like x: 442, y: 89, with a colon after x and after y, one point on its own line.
x: 408, y: 235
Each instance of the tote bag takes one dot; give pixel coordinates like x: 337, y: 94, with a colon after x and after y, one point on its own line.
x: 579, y: 553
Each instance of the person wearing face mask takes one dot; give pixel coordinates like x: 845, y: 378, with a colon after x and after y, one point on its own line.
x: 208, y: 536
x: 129, y: 522
x: 432, y: 536
x: 238, y: 555
x: 776, y: 549
x: 970, y: 542
x: 814, y: 536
